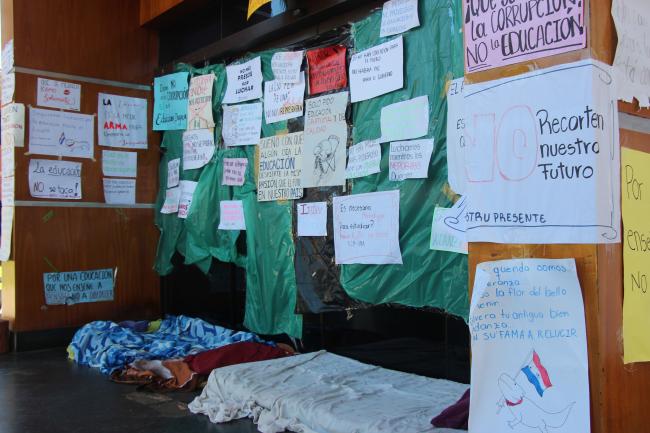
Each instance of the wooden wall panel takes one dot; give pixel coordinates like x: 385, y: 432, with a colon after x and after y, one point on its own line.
x: 151, y: 9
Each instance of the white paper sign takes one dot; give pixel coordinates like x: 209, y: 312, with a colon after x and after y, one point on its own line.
x: 173, y: 172
x: 119, y: 164
x: 234, y: 171
x: 405, y: 120
x: 119, y: 191
x: 448, y: 228
x: 543, y: 157
x: 58, y: 94
x: 8, y: 160
x: 55, y: 179
x: 398, y: 16
x: 8, y: 87
x: 325, y: 109
x: 172, y: 197
x: 283, y: 101
x: 632, y: 61
x: 8, y: 191
x: 409, y: 159
x: 280, y: 164
x: 59, y: 133
x: 231, y: 216
x: 199, y: 108
x: 366, y: 228
x: 242, y: 124
x: 244, y: 82
x: 312, y: 219
x: 529, y: 348
x: 286, y: 66
x: 455, y: 137
x: 377, y: 70
x: 198, y: 148
x: 13, y: 124
x: 187, y: 192
x: 122, y: 121
x: 7, y: 215
x: 8, y: 56
x: 363, y: 159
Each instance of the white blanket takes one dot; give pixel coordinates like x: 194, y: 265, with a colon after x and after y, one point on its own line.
x: 324, y: 393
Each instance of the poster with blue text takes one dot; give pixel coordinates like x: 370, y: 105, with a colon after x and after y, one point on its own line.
x: 170, y: 102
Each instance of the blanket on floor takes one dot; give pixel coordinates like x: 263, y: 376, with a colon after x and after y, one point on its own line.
x: 325, y: 393
x: 108, y: 346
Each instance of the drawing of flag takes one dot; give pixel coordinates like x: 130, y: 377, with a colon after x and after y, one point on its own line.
x: 537, y: 374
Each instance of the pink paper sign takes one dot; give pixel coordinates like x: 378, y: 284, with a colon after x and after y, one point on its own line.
x: 503, y: 32
x: 234, y: 171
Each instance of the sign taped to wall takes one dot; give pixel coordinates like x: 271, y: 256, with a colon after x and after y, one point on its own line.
x: 55, y: 179
x: 170, y: 101
x: 377, y: 70
x: 69, y: 288
x: 122, y: 121
x: 59, y: 133
x: 280, y: 167
x: 58, y: 94
x: 244, y: 81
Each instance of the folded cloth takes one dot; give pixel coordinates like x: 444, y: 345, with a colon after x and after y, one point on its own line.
x: 135, y: 325
x: 237, y: 353
x: 455, y: 416
x: 158, y: 375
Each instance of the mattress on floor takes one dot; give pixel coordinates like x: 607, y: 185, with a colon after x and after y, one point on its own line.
x: 325, y: 393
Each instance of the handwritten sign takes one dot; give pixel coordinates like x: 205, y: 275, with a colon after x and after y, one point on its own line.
x: 636, y: 254
x: 198, y: 148
x: 69, y: 288
x: 7, y: 215
x: 529, y: 348
x: 632, y: 61
x: 280, y: 167
x: 119, y: 191
x: 8, y: 87
x: 58, y: 94
x: 242, y: 124
x: 172, y: 198
x: 244, y: 82
x: 286, y: 66
x: 326, y: 137
x: 231, y: 216
x: 499, y: 33
x: 377, y: 70
x: 363, y: 159
x: 55, y: 179
x: 409, y: 159
x: 187, y: 193
x: 122, y: 121
x: 283, y: 101
x: 448, y: 230
x: 455, y: 137
x: 540, y: 146
x: 13, y: 124
x: 119, y: 164
x: 405, y: 120
x: 8, y: 175
x: 366, y: 228
x: 8, y: 56
x: 199, y: 102
x: 312, y: 219
x: 327, y: 70
x: 173, y: 172
x: 234, y: 171
x: 170, y: 101
x: 59, y: 133
x: 398, y: 16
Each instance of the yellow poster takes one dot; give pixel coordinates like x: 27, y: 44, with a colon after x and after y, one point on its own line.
x: 254, y: 5
x: 635, y: 185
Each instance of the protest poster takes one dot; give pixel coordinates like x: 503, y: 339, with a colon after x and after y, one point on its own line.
x: 8, y: 87
x: 172, y: 198
x: 234, y: 171
x: 244, y: 82
x: 55, y: 179
x: 187, y: 188
x: 199, y: 102
x: 327, y: 70
x: 119, y: 164
x: 499, y: 33
x: 69, y: 288
x: 59, y: 133
x: 119, y: 191
x: 13, y: 124
x: 542, y: 160
x: 409, y: 159
x: 455, y: 138
x: 8, y: 56
x: 366, y: 228
x: 242, y: 124
x: 198, y: 148
x: 286, y: 66
x: 377, y: 70
x: 405, y: 120
x: 173, y: 172
x: 448, y: 229
x: 170, y: 101
x: 231, y: 215
x: 122, y: 121
x: 398, y: 16
x: 312, y: 219
x: 58, y: 94
x: 280, y: 160
x: 529, y: 348
x: 283, y: 101
x: 363, y: 159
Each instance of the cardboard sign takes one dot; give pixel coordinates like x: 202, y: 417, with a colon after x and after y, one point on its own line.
x: 173, y: 172
x: 398, y: 16
x: 199, y: 101
x: 55, y: 179
x: 409, y: 159
x: 119, y: 164
x: 187, y: 193
x: 58, y: 94
x: 234, y: 171
x: 280, y: 167
x: 119, y: 191
x: 377, y: 70
x: 529, y: 348
x: 242, y: 124
x: 198, y: 148
x: 363, y: 159
x: 172, y: 198
x: 283, y: 101
x: 122, y: 121
x: 405, y: 120
x: 312, y: 219
x: 231, y: 216
x: 327, y: 69
x: 366, y: 228
x: 286, y: 66
x: 455, y: 137
x: 499, y: 33
x: 170, y: 102
x: 13, y: 124
x: 69, y: 288
x: 244, y: 82
x: 59, y: 133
